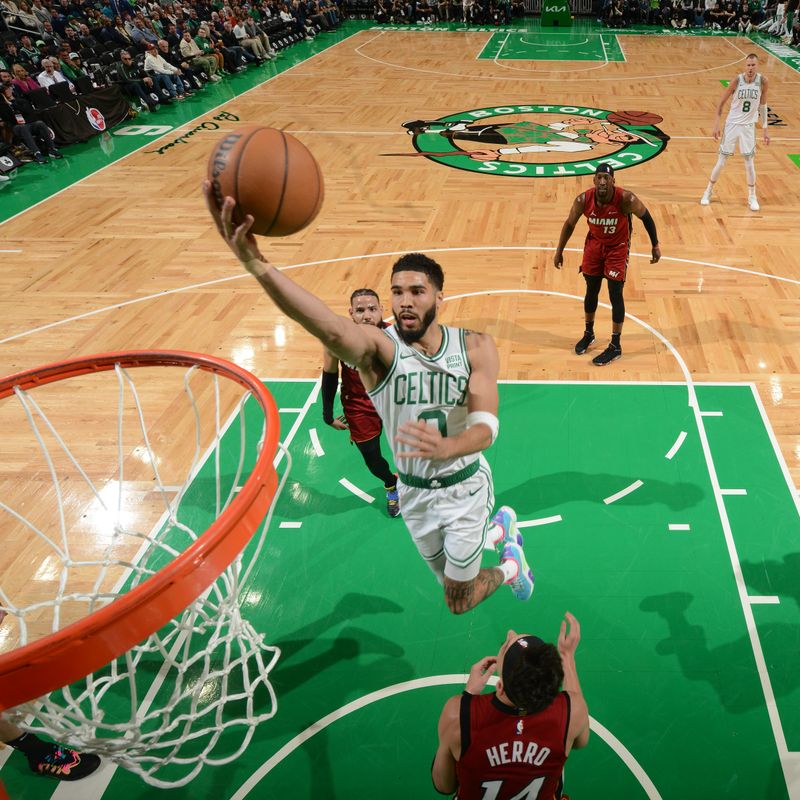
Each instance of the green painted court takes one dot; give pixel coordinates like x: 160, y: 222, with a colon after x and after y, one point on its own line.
x: 540, y: 45
x: 640, y: 516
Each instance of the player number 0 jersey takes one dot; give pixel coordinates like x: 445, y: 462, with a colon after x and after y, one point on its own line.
x: 428, y: 388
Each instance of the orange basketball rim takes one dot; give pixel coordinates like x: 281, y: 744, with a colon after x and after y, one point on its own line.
x: 84, y: 646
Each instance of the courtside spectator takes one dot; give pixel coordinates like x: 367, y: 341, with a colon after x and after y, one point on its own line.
x: 197, y: 57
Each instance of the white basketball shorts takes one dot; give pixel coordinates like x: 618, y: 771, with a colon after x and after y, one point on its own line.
x: 745, y: 135
x: 452, y: 521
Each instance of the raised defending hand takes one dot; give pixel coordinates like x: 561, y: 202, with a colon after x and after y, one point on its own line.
x: 568, y: 640
x: 480, y: 673
x: 238, y: 238
x: 656, y: 255
x: 424, y: 440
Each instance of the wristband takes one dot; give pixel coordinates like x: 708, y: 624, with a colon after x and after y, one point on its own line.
x: 485, y: 418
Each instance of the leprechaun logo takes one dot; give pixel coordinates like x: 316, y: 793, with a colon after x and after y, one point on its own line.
x: 538, y: 141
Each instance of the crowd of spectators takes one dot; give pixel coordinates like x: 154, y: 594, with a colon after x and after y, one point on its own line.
x: 427, y: 12
x: 740, y: 16
x: 154, y: 53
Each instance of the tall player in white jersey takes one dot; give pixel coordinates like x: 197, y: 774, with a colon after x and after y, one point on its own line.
x: 435, y: 388
x: 749, y: 105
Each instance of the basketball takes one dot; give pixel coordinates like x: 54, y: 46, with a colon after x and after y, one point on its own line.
x: 634, y: 118
x: 271, y: 175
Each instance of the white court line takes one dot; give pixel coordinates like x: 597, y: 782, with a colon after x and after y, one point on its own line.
x: 93, y: 785
x: 763, y: 600
x: 787, y: 476
x: 557, y: 44
x: 326, y: 261
x: 711, y: 414
x: 679, y: 526
x: 771, y: 138
x: 530, y: 523
x: 315, y: 443
x: 627, y: 490
x: 500, y: 49
x: 732, y: 491
x: 376, y: 133
x: 422, y: 683
x: 677, y: 446
x: 290, y: 525
x: 539, y: 79
x: 789, y: 761
x: 351, y: 487
x: 310, y: 400
x: 603, y: 46
x: 10, y: 251
x: 289, y: 410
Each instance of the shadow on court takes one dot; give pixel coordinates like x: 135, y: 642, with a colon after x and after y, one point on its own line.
x: 728, y: 668
x: 781, y: 578
x: 549, y: 492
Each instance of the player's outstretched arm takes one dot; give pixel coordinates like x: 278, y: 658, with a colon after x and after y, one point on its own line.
x: 631, y: 204
x: 443, y: 770
x: 356, y: 344
x: 568, y: 638
x: 567, y: 228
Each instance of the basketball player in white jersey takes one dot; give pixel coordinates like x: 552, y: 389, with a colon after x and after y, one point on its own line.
x: 749, y: 105
x: 435, y: 388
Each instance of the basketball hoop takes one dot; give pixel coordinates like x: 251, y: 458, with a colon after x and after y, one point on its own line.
x: 180, y: 586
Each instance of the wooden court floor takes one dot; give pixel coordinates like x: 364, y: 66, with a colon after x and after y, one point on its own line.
x: 128, y: 259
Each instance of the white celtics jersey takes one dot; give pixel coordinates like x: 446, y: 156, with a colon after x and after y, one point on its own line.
x: 430, y: 388
x: 745, y: 101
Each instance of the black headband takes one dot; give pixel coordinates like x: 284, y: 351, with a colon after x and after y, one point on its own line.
x: 512, y: 658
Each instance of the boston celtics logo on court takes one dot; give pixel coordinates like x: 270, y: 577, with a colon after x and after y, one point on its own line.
x: 539, y: 141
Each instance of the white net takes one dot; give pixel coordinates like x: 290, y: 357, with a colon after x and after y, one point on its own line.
x: 97, y: 518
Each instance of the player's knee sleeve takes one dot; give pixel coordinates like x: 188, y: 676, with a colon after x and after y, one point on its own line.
x: 750, y: 169
x: 593, y: 284
x: 718, y: 167
x: 617, y: 301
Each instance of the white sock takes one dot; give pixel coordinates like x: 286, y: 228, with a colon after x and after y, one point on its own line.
x: 510, y: 570
x: 495, y: 534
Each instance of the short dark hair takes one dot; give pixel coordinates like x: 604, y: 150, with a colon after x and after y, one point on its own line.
x: 535, y: 678
x: 360, y: 292
x: 417, y: 262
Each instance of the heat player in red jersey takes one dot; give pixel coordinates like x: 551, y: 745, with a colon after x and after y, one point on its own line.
x: 360, y: 416
x: 513, y: 743
x: 608, y: 209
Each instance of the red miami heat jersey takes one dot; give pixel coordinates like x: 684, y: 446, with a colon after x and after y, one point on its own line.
x: 608, y: 224
x: 505, y: 755
x: 355, y: 399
